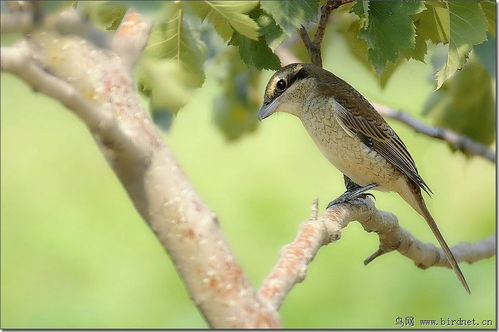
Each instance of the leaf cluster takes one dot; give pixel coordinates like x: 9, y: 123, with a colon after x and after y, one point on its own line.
x: 449, y: 33
x: 240, y: 37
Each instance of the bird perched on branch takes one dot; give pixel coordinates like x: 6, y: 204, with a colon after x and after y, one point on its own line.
x: 353, y: 137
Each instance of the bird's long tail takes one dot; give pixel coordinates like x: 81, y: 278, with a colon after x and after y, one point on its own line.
x: 415, y: 199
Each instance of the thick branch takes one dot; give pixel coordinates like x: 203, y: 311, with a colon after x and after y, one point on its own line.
x: 292, y: 265
x: 457, y: 141
x: 66, y: 22
x: 16, y: 22
x: 96, y: 84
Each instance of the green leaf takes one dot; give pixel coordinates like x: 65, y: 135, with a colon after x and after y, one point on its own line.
x: 255, y: 53
x: 466, y: 103
x: 163, y: 119
x: 390, y: 30
x: 235, y: 110
x: 419, y: 50
x: 468, y: 27
x: 107, y: 14
x: 433, y: 23
x: 169, y: 86
x: 227, y: 16
x: 388, y: 71
x: 291, y: 14
x: 358, y: 49
x: 271, y: 32
x: 361, y: 8
x: 486, y: 53
x: 489, y: 9
x: 176, y: 40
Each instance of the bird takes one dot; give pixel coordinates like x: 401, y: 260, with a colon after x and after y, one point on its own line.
x: 353, y: 136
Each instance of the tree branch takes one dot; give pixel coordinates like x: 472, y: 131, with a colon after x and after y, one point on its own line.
x: 314, y: 47
x: 131, y: 37
x: 91, y: 75
x: 16, y: 22
x: 66, y: 22
x: 457, y: 141
x: 96, y: 84
x: 314, y: 233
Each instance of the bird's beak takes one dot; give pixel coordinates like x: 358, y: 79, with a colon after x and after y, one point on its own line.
x: 268, y: 109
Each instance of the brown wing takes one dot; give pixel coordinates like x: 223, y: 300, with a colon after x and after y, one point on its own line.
x: 357, y: 116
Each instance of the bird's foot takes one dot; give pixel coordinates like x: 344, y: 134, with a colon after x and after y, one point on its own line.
x: 359, y: 192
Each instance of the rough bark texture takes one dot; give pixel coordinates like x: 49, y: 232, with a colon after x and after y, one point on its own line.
x: 96, y: 84
x: 90, y: 73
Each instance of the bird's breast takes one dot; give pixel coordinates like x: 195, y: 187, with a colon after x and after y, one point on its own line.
x: 346, y: 152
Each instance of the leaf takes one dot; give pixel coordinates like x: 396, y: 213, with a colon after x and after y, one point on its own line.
x: 389, y: 30
x: 163, y: 119
x: 419, y: 50
x: 291, y: 14
x: 486, y: 53
x: 466, y: 103
x: 361, y: 8
x: 107, y: 14
x: 433, y: 23
x: 168, y: 85
x: 358, y: 49
x: 255, y: 53
x: 389, y: 70
x: 227, y: 16
x: 271, y: 32
x: 489, y: 9
x: 468, y: 27
x: 176, y: 40
x: 172, y: 66
x: 235, y: 110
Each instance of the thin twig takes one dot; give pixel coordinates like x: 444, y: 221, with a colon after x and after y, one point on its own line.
x: 457, y: 141
x: 314, y: 47
x: 133, y: 26
x: 292, y: 265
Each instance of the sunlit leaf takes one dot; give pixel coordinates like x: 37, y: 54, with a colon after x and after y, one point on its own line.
x: 468, y: 27
x: 389, y: 30
x: 466, y: 103
x: 269, y: 30
x: 169, y: 86
x: 291, y: 14
x: 227, y: 16
x: 361, y: 8
x: 106, y: 14
x: 359, y: 50
x: 419, y: 50
x: 489, y: 9
x: 433, y: 23
x: 176, y: 39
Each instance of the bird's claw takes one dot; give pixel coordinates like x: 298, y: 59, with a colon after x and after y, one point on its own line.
x: 353, y: 194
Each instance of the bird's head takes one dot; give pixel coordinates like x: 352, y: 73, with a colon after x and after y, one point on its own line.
x: 287, y: 89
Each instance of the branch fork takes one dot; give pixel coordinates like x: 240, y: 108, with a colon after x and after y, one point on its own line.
x: 162, y: 194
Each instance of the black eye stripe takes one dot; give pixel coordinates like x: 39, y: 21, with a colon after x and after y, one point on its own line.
x: 301, y: 74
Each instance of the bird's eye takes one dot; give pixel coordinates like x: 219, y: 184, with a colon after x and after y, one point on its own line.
x: 281, y: 85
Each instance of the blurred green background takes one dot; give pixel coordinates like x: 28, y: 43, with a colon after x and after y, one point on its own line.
x: 75, y: 253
